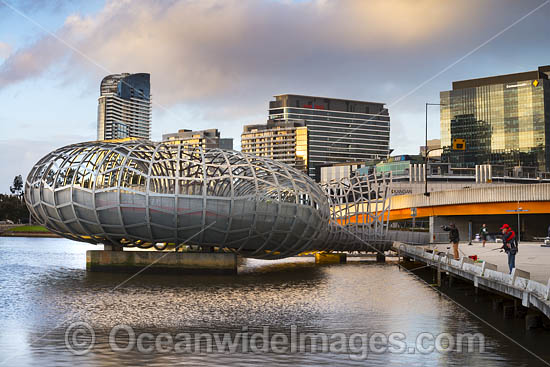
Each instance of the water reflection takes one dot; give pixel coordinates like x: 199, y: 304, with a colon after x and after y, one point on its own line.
x: 44, y: 283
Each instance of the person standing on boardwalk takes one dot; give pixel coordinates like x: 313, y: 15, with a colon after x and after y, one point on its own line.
x: 483, y: 232
x: 509, y: 245
x: 454, y: 237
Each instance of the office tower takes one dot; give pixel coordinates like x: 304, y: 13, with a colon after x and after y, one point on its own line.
x: 503, y: 119
x: 335, y: 130
x: 124, y: 109
x: 203, y: 138
x: 283, y: 141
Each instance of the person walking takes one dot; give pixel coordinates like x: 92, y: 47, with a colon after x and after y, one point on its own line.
x: 509, y: 245
x: 483, y: 232
x: 454, y: 237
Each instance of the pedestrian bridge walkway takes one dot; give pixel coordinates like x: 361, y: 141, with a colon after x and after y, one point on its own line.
x: 531, y: 257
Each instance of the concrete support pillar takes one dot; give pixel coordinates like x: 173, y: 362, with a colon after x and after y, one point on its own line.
x: 497, y: 303
x: 509, y: 311
x: 431, y: 227
x: 112, y: 247
x: 161, y: 262
x: 380, y: 257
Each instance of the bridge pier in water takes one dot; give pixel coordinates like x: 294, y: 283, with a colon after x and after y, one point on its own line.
x: 161, y: 262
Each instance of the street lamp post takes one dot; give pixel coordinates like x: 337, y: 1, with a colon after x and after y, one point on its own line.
x: 426, y: 151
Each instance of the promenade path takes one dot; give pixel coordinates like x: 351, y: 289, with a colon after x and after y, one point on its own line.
x: 531, y: 257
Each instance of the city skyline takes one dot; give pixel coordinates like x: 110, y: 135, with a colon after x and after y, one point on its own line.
x: 227, y: 76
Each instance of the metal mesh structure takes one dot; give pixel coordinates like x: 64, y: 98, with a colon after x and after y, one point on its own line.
x: 139, y: 193
x: 360, y: 207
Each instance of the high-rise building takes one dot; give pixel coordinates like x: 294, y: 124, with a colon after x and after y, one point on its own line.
x: 203, y: 138
x: 503, y: 119
x: 434, y: 148
x: 282, y: 141
x: 333, y: 131
x: 124, y: 109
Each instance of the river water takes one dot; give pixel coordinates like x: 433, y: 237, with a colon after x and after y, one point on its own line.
x: 44, y: 288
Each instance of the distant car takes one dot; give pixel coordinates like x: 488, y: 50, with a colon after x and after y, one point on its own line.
x: 7, y: 221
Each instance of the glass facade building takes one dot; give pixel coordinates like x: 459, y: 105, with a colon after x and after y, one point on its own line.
x: 338, y: 130
x: 124, y: 107
x: 503, y: 119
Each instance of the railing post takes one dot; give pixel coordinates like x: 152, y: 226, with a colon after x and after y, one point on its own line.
x: 439, y: 272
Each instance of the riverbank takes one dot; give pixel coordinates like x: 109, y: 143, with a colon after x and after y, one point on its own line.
x: 27, y: 231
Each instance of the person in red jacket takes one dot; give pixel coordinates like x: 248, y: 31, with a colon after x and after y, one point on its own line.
x: 509, y: 245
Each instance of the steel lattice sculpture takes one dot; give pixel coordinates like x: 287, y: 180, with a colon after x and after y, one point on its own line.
x: 140, y: 193
x: 360, y: 208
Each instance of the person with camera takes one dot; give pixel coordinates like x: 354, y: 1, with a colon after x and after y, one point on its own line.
x: 509, y: 245
x: 454, y: 237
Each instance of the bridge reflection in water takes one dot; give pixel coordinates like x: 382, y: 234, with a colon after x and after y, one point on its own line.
x: 140, y: 193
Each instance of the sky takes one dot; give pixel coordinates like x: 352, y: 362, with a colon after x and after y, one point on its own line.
x: 217, y: 63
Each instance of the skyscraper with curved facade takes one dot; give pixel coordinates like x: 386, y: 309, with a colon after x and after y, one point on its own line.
x: 124, y: 108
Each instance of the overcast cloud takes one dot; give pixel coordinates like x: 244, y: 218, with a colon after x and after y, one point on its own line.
x: 217, y: 63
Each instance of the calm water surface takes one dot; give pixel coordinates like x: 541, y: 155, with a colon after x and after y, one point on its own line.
x: 44, y: 287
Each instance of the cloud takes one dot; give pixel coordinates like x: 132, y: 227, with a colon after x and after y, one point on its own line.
x: 202, y: 49
x: 5, y: 50
x: 216, y: 63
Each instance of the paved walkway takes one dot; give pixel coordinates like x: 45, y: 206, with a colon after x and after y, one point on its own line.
x: 531, y: 257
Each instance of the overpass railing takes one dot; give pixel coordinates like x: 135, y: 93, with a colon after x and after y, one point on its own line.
x: 485, y: 194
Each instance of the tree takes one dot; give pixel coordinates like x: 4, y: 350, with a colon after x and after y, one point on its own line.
x: 17, y: 187
x: 11, y: 207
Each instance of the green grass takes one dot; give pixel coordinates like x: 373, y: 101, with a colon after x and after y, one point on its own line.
x: 31, y: 229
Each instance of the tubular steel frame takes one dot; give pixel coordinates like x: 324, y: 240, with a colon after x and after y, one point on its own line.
x: 140, y: 193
